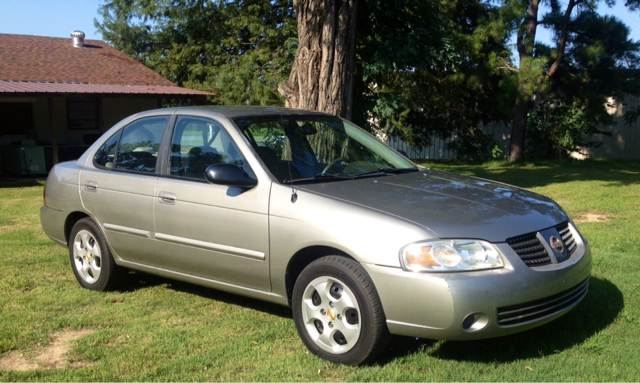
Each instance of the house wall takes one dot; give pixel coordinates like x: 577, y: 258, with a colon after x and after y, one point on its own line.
x: 116, y: 109
x: 41, y: 122
x: 71, y: 142
x: 113, y: 110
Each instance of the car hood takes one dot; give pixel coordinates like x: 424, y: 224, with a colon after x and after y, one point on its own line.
x: 450, y: 205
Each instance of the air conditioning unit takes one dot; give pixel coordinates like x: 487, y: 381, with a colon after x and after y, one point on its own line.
x: 23, y: 160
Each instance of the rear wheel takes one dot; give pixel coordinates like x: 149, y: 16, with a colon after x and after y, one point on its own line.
x: 337, y: 311
x: 91, y: 259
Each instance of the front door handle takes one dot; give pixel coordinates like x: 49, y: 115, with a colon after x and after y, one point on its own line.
x: 167, y: 198
x: 91, y: 186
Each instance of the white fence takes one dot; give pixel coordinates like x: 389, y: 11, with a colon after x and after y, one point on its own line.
x: 624, y: 142
x: 436, y: 151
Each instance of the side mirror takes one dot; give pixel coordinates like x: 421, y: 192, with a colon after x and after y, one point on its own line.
x: 229, y: 175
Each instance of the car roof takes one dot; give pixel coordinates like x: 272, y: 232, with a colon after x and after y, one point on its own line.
x: 233, y: 111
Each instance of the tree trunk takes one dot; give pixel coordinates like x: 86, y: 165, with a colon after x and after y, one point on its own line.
x: 525, y: 42
x: 321, y: 76
x: 519, y: 129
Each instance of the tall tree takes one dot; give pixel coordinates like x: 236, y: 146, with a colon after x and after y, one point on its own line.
x: 321, y: 76
x: 540, y: 66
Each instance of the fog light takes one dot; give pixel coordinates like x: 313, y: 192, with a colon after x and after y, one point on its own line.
x: 475, y: 322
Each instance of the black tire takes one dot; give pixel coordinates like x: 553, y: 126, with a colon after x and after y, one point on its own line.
x: 332, y: 310
x: 91, y: 258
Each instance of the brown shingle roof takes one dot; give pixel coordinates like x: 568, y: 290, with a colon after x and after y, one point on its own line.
x: 35, y: 88
x: 54, y: 59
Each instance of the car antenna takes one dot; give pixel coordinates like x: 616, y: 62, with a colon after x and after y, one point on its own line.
x: 294, y: 193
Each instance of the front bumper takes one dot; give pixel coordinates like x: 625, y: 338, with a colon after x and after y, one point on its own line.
x: 466, y: 305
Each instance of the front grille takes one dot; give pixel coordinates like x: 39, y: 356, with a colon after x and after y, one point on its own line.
x: 541, y: 308
x: 567, y: 238
x: 529, y: 249
x: 533, y: 253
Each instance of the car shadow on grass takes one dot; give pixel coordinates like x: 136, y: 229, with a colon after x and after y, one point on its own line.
x: 598, y: 309
x: 135, y: 280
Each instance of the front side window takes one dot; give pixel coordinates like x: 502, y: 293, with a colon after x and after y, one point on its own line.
x: 198, y: 143
x: 319, y: 148
x: 134, y: 148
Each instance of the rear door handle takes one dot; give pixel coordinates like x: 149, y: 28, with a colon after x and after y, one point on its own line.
x: 91, y: 186
x: 167, y: 198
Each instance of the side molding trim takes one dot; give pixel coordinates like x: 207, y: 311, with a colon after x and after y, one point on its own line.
x: 211, y: 246
x: 127, y: 230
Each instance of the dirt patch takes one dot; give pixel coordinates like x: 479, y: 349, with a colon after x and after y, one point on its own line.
x: 591, y: 217
x: 13, y: 360
x: 52, y: 356
x: 4, y: 229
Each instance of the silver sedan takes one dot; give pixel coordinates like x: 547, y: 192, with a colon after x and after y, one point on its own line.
x: 307, y: 210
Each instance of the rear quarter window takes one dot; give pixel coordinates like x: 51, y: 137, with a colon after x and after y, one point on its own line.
x: 106, y: 154
x: 133, y: 148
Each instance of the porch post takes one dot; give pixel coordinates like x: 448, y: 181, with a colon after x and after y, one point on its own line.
x: 52, y: 132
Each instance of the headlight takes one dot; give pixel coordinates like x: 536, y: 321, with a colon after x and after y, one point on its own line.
x: 450, y: 255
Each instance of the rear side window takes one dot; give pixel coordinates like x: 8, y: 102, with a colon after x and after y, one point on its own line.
x: 134, y: 148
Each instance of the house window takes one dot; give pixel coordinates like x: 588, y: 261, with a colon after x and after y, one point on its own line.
x: 82, y: 113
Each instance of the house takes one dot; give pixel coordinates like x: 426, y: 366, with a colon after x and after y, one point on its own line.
x: 58, y: 95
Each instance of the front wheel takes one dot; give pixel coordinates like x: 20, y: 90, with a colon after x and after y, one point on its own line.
x: 91, y: 259
x: 337, y: 311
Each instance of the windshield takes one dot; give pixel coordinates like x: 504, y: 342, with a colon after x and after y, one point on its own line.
x: 305, y: 148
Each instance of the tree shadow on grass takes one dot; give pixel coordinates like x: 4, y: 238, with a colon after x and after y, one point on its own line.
x: 609, y: 172
x: 13, y: 182
x: 598, y: 309
x: 135, y: 280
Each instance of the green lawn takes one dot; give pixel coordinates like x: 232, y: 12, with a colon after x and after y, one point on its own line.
x: 161, y: 330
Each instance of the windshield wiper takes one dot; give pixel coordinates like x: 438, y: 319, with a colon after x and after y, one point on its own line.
x: 386, y: 171
x: 399, y: 170
x: 322, y: 177
x: 319, y: 177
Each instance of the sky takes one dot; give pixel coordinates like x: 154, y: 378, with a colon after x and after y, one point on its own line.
x: 53, y: 18
x: 57, y: 18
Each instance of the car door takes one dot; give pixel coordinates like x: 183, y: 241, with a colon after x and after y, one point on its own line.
x: 118, y: 188
x: 211, y: 231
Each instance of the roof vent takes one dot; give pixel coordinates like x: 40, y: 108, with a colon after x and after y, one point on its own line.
x: 78, y: 39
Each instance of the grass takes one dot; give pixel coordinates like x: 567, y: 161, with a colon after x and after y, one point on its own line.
x: 154, y: 329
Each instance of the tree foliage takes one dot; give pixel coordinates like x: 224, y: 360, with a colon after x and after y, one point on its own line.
x: 591, y: 59
x: 238, y: 50
x: 428, y: 68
